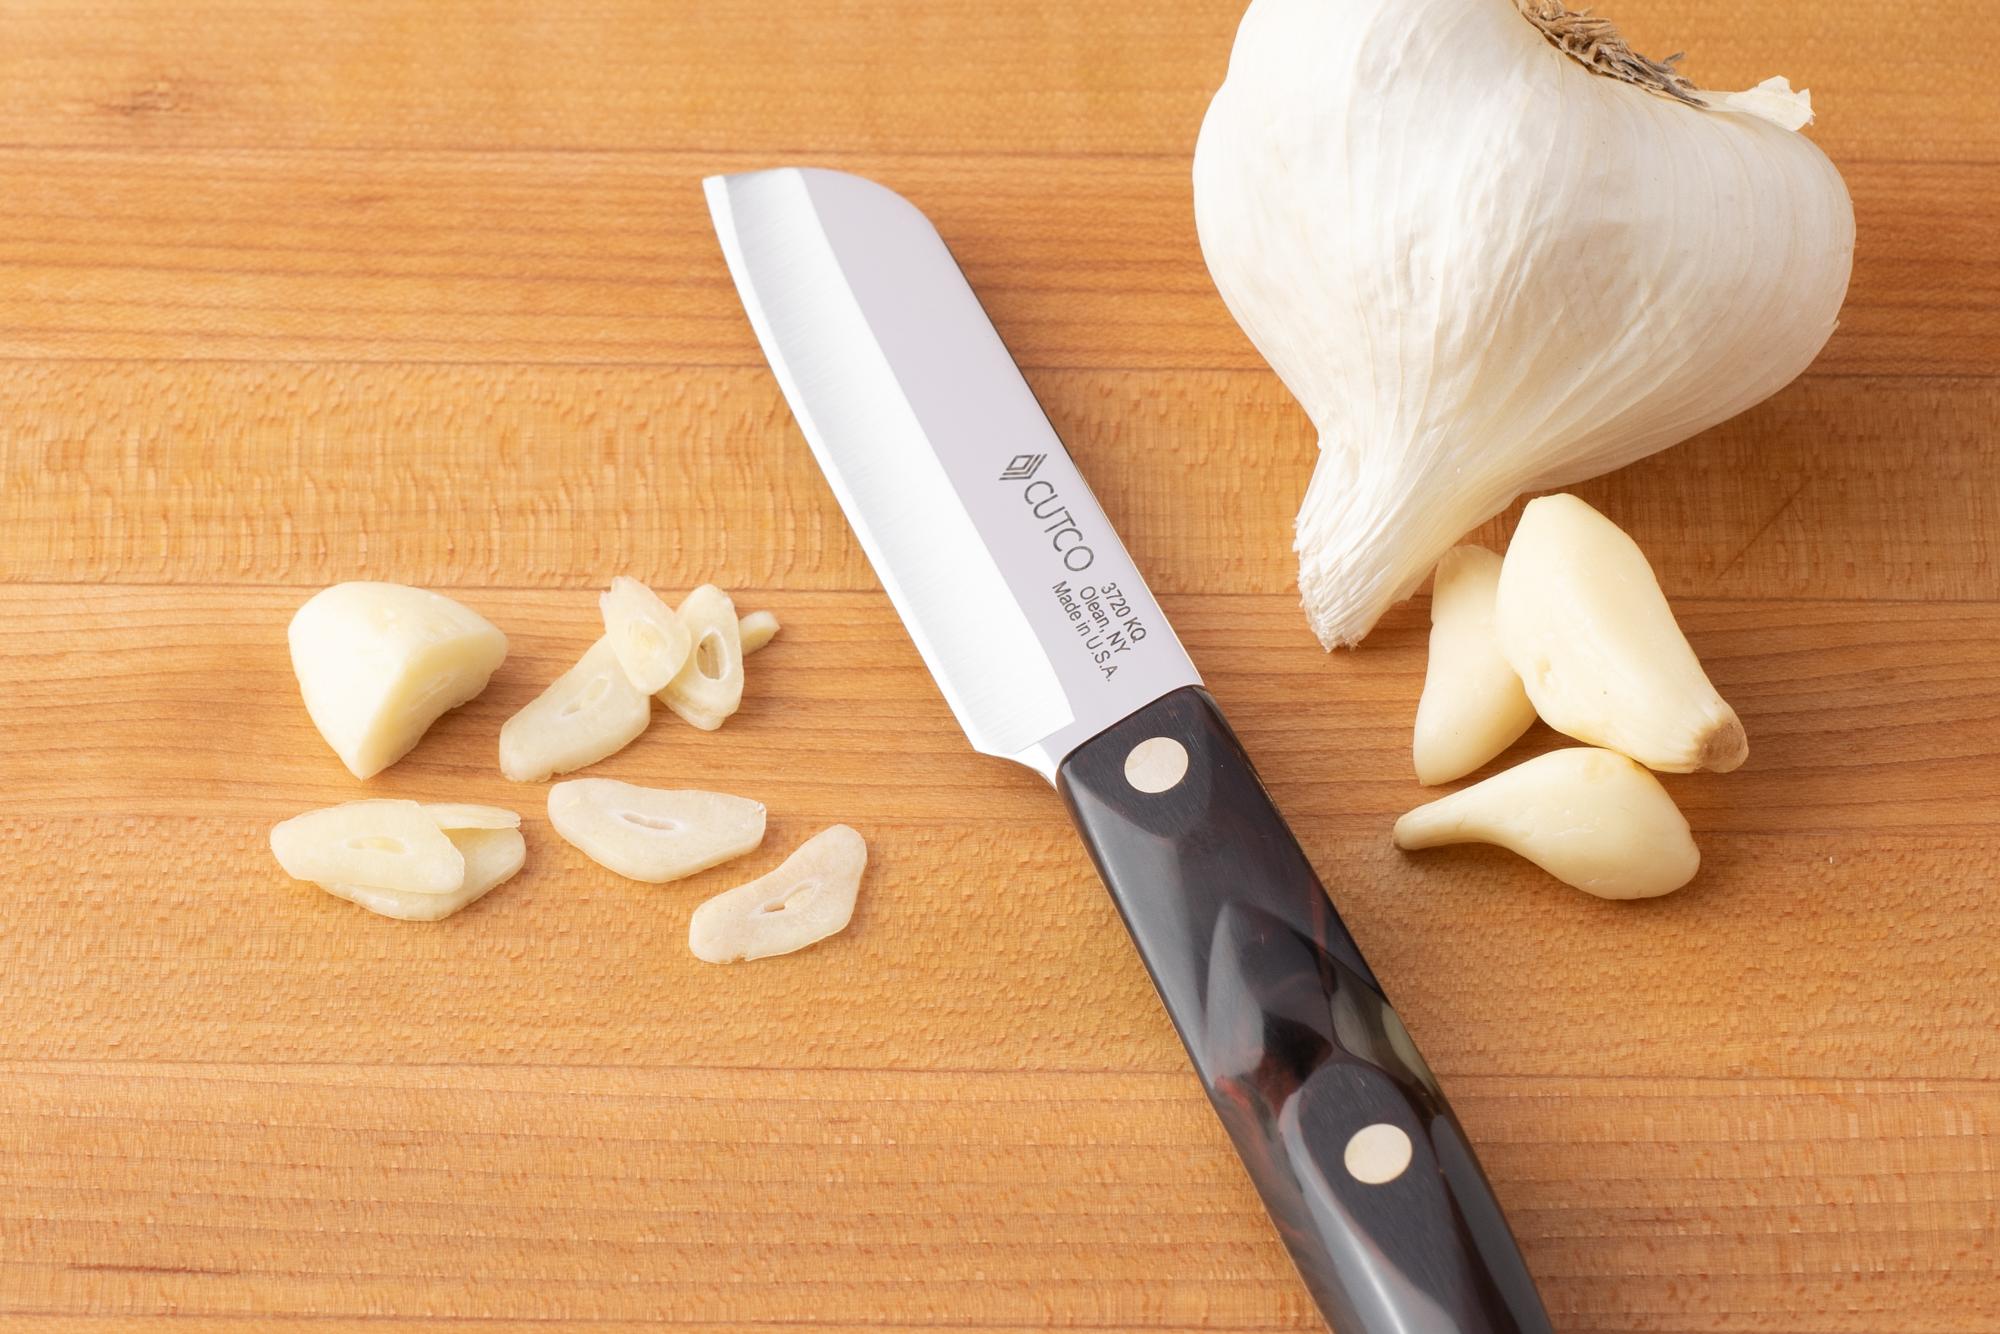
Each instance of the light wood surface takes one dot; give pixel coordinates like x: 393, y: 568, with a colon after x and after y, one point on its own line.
x: 293, y: 293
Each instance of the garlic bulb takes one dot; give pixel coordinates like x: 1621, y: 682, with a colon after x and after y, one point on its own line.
x: 1484, y: 269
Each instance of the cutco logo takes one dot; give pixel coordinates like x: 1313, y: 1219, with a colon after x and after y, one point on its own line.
x: 1046, y: 504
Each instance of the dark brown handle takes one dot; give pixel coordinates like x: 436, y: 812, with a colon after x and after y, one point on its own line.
x: 1307, y: 1065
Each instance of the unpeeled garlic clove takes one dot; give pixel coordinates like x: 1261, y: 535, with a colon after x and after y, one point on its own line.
x: 650, y: 640
x: 1583, y: 623
x: 1589, y: 817
x: 709, y: 686
x: 808, y: 898
x: 454, y: 815
x: 1473, y: 706
x: 591, y: 711
x: 756, y: 629
x: 379, y: 844
x: 653, y: 835
x: 492, y: 857
x: 379, y: 663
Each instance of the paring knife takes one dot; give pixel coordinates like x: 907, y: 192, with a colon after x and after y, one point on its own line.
x: 1052, y: 653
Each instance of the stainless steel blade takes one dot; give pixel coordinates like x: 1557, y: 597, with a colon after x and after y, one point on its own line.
x: 1021, y: 599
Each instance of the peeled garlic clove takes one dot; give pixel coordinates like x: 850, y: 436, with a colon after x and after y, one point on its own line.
x: 590, y: 712
x: 648, y: 834
x: 492, y: 857
x: 451, y: 815
x: 378, y: 844
x: 379, y: 663
x: 807, y: 899
x: 1473, y: 706
x: 651, y: 642
x: 1484, y: 269
x: 755, y: 630
x: 1583, y: 623
x: 1590, y: 818
x: 709, y: 687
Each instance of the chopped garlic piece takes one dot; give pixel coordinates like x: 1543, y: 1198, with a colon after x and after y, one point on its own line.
x: 590, y: 712
x: 651, y: 641
x: 379, y: 844
x: 379, y: 663
x: 709, y: 687
x: 1473, y: 706
x: 1590, y: 818
x: 451, y: 815
x: 808, y: 898
x: 492, y: 857
x: 649, y: 834
x: 756, y: 629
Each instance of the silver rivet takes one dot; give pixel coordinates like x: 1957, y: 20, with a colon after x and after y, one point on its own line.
x: 1377, y: 1153
x: 1156, y: 764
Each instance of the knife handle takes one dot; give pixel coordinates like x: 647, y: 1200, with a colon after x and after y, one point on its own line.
x: 1346, y: 1133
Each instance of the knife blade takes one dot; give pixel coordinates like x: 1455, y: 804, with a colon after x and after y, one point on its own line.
x: 1052, y: 652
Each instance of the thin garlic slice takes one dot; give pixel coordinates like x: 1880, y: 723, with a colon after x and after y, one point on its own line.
x: 379, y: 663
x: 648, y: 834
x: 709, y: 687
x: 808, y: 898
x: 755, y: 630
x: 453, y: 815
x: 1473, y: 706
x: 590, y: 712
x: 380, y: 844
x: 492, y: 857
x: 1590, y: 818
x: 1582, y: 621
x: 651, y: 642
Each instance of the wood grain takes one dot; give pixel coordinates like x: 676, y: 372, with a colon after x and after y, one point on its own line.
x: 295, y: 293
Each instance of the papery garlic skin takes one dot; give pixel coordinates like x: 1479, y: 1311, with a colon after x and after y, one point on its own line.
x: 1473, y: 706
x: 1581, y: 619
x: 1590, y: 818
x: 379, y: 663
x: 1484, y: 270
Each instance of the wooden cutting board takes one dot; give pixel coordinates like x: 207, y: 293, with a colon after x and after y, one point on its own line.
x: 295, y: 293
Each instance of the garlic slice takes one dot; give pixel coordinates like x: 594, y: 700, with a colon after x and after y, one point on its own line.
x: 379, y: 663
x: 590, y: 712
x: 380, y: 844
x: 453, y: 815
x: 653, y: 835
x: 1590, y: 818
x: 808, y: 898
x: 651, y: 642
x: 492, y: 857
x: 1582, y: 621
x: 1473, y: 706
x: 755, y: 630
x: 709, y: 687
